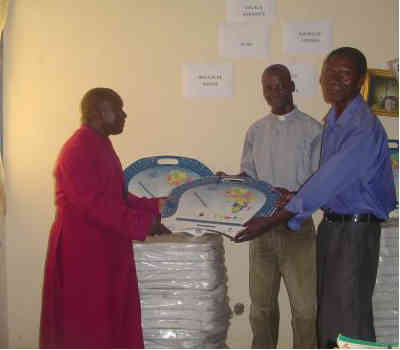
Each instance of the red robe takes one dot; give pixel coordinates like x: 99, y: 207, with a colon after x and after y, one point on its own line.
x: 90, y: 291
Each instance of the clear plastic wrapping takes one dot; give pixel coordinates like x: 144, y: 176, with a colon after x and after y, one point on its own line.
x: 386, y: 293
x: 183, y: 339
x: 182, y: 283
x: 154, y: 249
x: 183, y: 299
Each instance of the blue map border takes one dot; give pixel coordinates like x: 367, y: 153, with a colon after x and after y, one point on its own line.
x: 184, y: 163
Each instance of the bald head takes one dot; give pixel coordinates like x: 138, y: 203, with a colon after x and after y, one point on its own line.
x: 94, y: 99
x: 102, y: 110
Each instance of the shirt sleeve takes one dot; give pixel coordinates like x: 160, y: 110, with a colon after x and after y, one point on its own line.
x: 247, y: 163
x: 150, y: 204
x: 315, y: 153
x: 341, y: 170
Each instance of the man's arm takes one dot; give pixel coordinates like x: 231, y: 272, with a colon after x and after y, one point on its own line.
x: 341, y: 170
x: 84, y: 186
x: 247, y: 163
x: 358, y: 153
x: 150, y: 204
x: 154, y: 205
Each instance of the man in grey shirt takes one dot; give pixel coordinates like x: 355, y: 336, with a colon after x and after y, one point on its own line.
x: 283, y: 150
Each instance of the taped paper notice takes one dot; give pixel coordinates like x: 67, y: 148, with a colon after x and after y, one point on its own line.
x: 308, y: 38
x: 250, y: 10
x: 239, y: 40
x: 207, y: 80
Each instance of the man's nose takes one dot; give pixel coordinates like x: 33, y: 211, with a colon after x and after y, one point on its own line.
x: 277, y: 90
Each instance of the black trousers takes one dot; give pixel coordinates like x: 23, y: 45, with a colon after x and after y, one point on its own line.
x: 347, y: 264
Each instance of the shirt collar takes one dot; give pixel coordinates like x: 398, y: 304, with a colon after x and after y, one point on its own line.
x: 347, y: 114
x: 287, y: 116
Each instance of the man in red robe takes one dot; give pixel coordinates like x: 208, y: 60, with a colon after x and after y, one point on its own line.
x: 90, y: 291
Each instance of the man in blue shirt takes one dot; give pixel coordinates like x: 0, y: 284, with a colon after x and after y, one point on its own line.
x: 355, y: 187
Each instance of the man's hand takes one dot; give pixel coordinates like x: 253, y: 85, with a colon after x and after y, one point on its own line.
x: 256, y: 227
x: 157, y: 228
x: 285, y: 197
x: 161, y: 203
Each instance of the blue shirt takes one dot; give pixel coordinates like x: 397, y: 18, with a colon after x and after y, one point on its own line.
x: 355, y: 174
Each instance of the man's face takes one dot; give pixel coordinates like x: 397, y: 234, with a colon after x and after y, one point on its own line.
x: 113, y: 117
x: 340, y: 80
x: 277, y: 90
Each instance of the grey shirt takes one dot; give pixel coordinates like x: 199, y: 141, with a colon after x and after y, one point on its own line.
x: 282, y: 150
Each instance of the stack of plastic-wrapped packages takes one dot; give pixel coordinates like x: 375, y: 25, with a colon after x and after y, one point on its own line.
x: 182, y: 284
x: 386, y: 293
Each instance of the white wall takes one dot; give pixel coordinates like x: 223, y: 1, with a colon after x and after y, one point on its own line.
x: 56, y: 50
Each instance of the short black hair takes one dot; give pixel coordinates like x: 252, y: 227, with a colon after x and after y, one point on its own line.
x: 277, y: 68
x: 354, y: 54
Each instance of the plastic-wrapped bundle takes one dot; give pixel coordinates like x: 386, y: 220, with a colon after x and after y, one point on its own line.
x: 386, y: 293
x: 184, y: 339
x: 182, y: 282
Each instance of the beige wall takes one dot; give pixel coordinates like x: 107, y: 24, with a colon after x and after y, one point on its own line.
x: 56, y: 50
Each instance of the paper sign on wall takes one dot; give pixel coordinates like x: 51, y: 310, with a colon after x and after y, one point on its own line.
x: 250, y: 10
x: 239, y: 40
x: 308, y: 38
x: 305, y: 78
x: 207, y: 80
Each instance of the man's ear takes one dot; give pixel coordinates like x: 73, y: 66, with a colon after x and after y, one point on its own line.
x: 292, y: 86
x: 361, y: 80
x: 99, y: 112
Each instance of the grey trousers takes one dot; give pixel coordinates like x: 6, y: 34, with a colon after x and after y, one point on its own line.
x: 348, y: 255
x: 281, y: 253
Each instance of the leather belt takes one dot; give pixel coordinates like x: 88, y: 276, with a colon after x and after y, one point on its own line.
x: 355, y: 218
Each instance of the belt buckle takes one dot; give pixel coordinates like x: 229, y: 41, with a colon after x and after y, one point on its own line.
x: 328, y: 218
x: 356, y: 218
